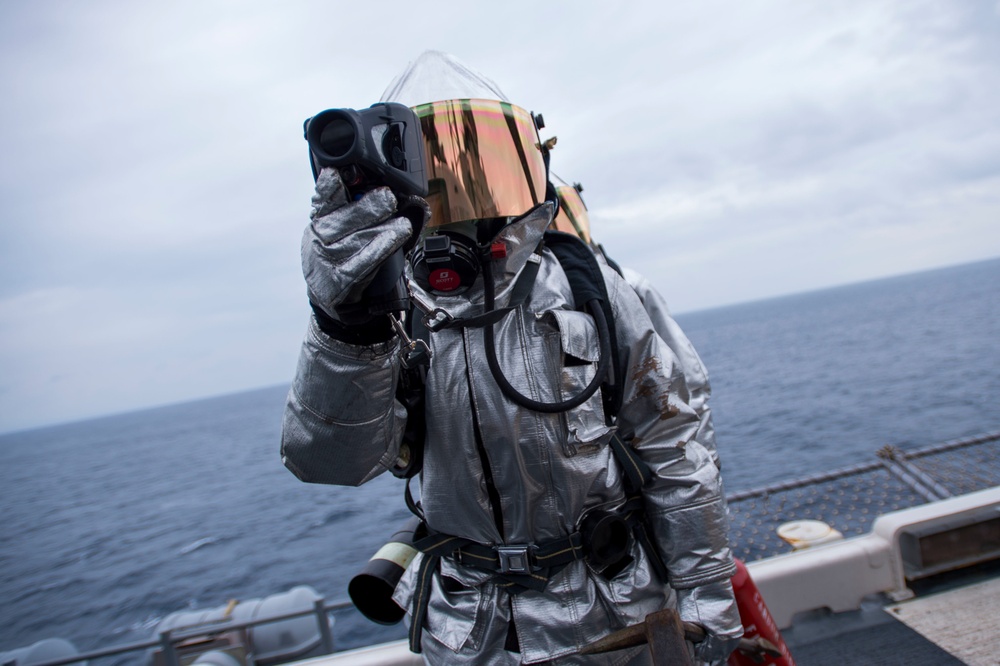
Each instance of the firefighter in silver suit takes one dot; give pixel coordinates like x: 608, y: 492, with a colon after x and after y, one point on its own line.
x: 512, y: 489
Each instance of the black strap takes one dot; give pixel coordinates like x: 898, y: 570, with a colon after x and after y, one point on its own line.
x: 587, y: 282
x: 438, y: 319
x: 641, y: 532
x: 410, y: 393
x: 413, y: 506
x: 376, y: 330
x: 543, y: 560
x: 433, y: 547
x: 637, y: 472
x: 611, y: 262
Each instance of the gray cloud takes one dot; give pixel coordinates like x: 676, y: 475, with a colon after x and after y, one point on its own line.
x: 154, y: 182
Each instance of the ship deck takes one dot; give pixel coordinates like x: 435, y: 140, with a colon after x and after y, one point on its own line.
x: 952, y: 620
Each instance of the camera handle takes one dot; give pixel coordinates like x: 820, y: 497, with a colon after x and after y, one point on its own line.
x: 387, y: 293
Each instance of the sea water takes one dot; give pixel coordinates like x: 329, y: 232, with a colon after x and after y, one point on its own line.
x: 111, y: 524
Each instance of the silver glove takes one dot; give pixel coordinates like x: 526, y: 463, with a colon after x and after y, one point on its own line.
x: 713, y: 606
x: 347, y: 241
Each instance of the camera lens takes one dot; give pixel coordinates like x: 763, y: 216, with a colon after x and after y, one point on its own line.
x: 392, y: 148
x: 337, y: 137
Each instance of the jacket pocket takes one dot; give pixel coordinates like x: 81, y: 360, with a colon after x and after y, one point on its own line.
x: 635, y: 591
x: 457, y: 607
x: 585, y: 425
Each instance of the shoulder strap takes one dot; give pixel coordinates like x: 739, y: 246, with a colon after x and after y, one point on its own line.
x: 410, y: 392
x: 611, y: 262
x: 587, y: 282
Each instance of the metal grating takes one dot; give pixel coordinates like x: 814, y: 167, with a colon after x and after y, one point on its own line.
x: 851, y: 498
x: 962, y: 469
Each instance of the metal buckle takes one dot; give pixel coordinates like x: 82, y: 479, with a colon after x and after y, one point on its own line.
x: 514, y: 559
x: 437, y: 319
x: 412, y: 352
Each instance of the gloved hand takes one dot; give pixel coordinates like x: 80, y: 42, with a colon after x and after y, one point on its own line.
x: 712, y: 606
x: 346, y: 241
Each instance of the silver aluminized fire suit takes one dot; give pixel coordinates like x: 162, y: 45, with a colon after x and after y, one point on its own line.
x: 695, y: 373
x: 343, y: 426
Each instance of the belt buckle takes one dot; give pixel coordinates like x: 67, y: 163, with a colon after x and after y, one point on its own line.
x: 514, y: 559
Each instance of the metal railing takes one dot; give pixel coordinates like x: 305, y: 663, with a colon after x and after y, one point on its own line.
x: 849, y: 499
x: 167, y: 640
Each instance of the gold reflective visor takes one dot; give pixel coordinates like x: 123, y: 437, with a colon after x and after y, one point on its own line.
x: 572, y: 217
x: 483, y: 160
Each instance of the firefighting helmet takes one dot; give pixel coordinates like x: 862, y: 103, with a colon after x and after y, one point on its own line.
x: 483, y: 155
x: 483, y: 159
x: 572, y: 216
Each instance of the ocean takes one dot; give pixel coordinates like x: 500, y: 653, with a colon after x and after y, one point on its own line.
x: 111, y: 524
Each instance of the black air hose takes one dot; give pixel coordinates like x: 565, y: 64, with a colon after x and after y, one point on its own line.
x: 603, y: 337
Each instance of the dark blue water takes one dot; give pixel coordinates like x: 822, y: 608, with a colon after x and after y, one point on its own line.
x: 109, y: 525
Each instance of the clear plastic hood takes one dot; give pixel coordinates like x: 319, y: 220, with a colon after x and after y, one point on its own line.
x: 435, y: 76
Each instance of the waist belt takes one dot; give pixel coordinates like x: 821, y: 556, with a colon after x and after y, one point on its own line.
x: 516, y: 567
x: 516, y: 563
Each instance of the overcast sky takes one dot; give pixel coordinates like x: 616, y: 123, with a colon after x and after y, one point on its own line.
x: 154, y: 182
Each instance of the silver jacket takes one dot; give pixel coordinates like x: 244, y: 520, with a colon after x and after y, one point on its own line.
x: 343, y: 426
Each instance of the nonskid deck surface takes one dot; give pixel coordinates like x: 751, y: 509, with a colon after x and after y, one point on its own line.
x: 964, y: 621
x: 950, y: 628
x: 886, y: 643
x: 952, y: 620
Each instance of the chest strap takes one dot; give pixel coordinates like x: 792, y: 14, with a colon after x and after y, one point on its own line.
x: 438, y: 319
